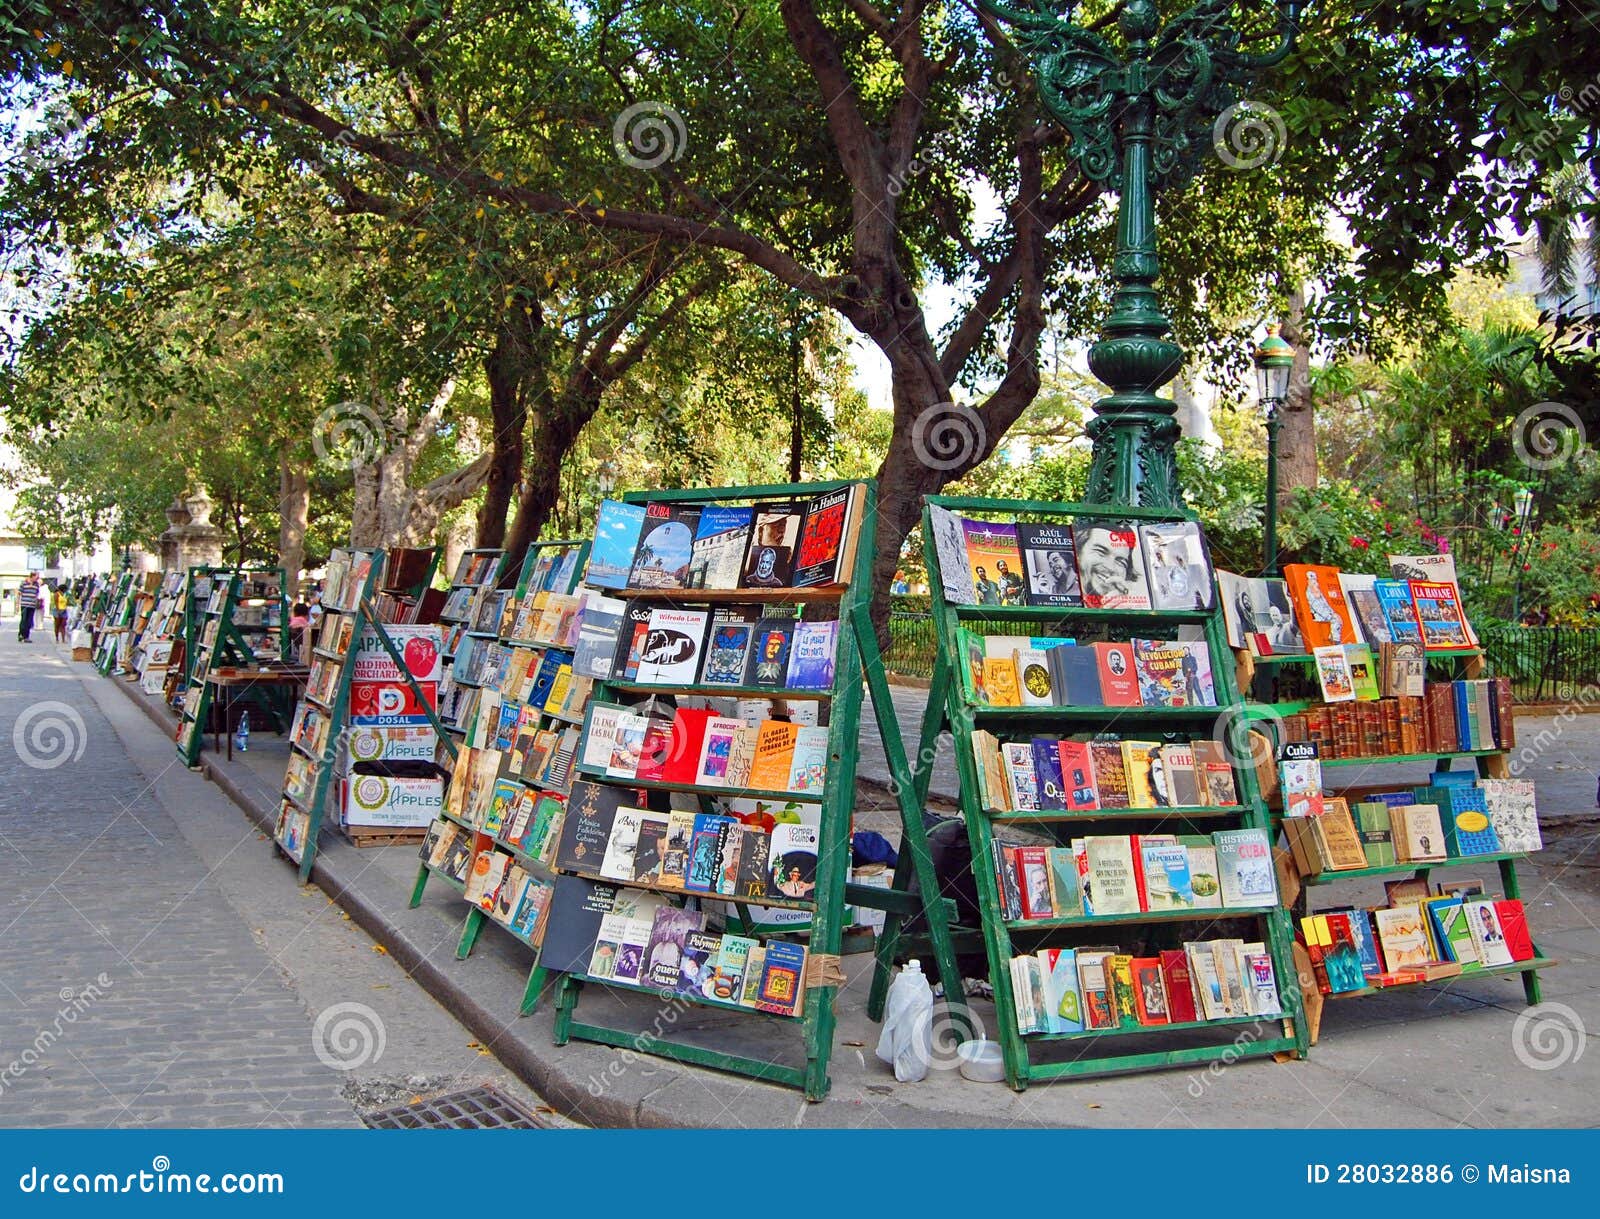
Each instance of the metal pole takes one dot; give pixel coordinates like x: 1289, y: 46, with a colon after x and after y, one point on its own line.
x: 1270, y: 566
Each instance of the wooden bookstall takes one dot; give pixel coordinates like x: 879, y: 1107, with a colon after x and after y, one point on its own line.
x: 350, y: 590
x: 1096, y: 1051
x: 153, y: 653
x: 809, y: 1008
x: 488, y: 638
x: 1298, y: 882
x: 236, y: 628
x: 111, y: 625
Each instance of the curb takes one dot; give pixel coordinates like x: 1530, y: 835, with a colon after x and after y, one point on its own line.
x: 570, y: 1100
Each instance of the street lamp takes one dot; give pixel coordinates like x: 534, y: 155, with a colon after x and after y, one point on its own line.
x: 1274, y: 360
x: 1142, y: 115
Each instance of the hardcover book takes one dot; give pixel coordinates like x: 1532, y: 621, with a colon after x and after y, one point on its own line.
x: 1051, y: 563
x: 666, y: 544
x: 826, y: 540
x: 720, y: 539
x: 728, y: 648
x: 768, y: 665
x: 586, y: 829
x: 1244, y: 861
x: 672, y: 647
x: 1119, y: 682
x: 1439, y: 614
x: 1113, y: 884
x: 1179, y: 566
x: 1319, y: 605
x: 1333, y: 674
x: 1399, y: 613
x: 783, y: 979
x: 769, y: 559
x: 950, y: 549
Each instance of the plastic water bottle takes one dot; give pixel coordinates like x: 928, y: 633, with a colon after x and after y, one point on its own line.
x: 241, y: 739
x: 907, y: 1038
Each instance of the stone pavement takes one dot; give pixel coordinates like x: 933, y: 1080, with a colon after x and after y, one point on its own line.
x: 1446, y: 1055
x: 157, y: 967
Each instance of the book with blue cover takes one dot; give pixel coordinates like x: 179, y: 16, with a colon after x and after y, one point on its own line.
x: 616, y: 537
x: 717, y: 554
x: 811, y: 656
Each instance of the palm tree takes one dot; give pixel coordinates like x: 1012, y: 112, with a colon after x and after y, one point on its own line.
x: 1563, y: 242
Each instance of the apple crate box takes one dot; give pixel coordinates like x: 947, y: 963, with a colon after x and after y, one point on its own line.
x: 391, y: 801
x: 380, y: 695
x: 366, y: 744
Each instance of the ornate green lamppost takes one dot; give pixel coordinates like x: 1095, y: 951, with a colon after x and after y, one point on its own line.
x: 1151, y: 108
x: 1274, y: 361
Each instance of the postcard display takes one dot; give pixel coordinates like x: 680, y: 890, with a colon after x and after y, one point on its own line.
x: 511, y: 664
x: 737, y: 658
x: 1369, y: 730
x: 234, y: 629
x: 1158, y: 916
x: 322, y: 725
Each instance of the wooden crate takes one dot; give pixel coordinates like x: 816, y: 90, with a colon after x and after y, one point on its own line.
x: 384, y: 835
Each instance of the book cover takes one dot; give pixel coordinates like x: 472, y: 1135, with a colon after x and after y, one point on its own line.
x: 578, y: 908
x: 1123, y: 1000
x: 742, y: 756
x: 1051, y: 563
x: 1514, y: 925
x: 663, y: 952
x: 1513, y: 813
x: 705, y: 849
x: 783, y: 979
x: 769, y: 653
x: 654, y: 750
x: 950, y: 550
x: 720, y: 538
x: 1333, y: 674
x: 792, y: 861
x: 728, y: 648
x: 1007, y: 884
x: 1319, y: 605
x: 1439, y: 615
x: 1300, y: 779
x: 1419, y: 833
x: 1176, y: 987
x: 811, y: 655
x: 1111, y: 565
x: 1078, y: 790
x: 1080, y: 676
x: 753, y: 874
x: 769, y: 558
x: 727, y: 980
x: 675, y: 852
x: 1063, y: 1011
x: 825, y: 530
x: 1094, y: 989
x: 649, y: 848
x: 1065, y: 883
x: 1214, y: 774
x: 1205, y: 878
x: 1033, y: 878
x: 1488, y: 935
x: 631, y: 634
x: 1244, y: 862
x: 1277, y: 626
x: 697, y: 962
x: 1367, y: 609
x: 1164, y: 679
x: 1147, y: 783
x: 1022, y: 781
x: 672, y: 647
x: 1178, y: 565
x: 1113, y: 886
x: 1207, y: 981
x: 617, y: 862
x: 1338, y: 842
x: 1363, y: 672
x: 1261, y: 982
x: 1399, y: 613
x: 1167, y: 883
x: 808, y: 763
x: 1110, y: 774
x: 627, y: 746
x: 716, y: 750
x: 1047, y: 766
x: 1402, y: 937
x: 774, y: 750
x: 1035, y: 681
x: 1119, y: 682
x: 995, y: 562
x: 666, y: 544
x: 586, y: 828
x: 1149, y: 991
x: 1001, y: 683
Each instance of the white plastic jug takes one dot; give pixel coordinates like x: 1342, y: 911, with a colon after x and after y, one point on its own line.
x: 907, y: 1037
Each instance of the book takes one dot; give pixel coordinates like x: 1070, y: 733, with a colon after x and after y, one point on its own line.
x: 1333, y: 674
x: 591, y: 810
x: 1078, y: 791
x: 774, y: 749
x: 1113, y: 884
x: 769, y: 558
x: 1300, y: 778
x: 666, y: 544
x: 697, y: 962
x: 768, y: 663
x: 1176, y: 987
x: 995, y: 562
x: 1022, y: 780
x: 1110, y: 773
x: 1363, y: 672
x: 1513, y: 813
x: 1261, y: 982
x: 1418, y: 833
x: 627, y: 746
x: 808, y: 763
x: 1399, y: 613
x: 631, y: 633
x: 1027, y: 994
x: 950, y: 550
x: 654, y: 751
x: 1119, y: 682
x: 1051, y: 563
x: 727, y: 979
x: 716, y: 555
x: 1047, y: 766
x: 1094, y: 989
x: 1167, y: 883
x: 649, y: 849
x: 1123, y: 1001
x: 675, y: 849
x: 1205, y: 878
x: 792, y: 861
x: 1277, y: 626
x: 1147, y: 784
x: 1402, y: 937
x: 599, y: 627
x: 728, y: 648
x: 1214, y: 774
x: 1065, y: 882
x: 783, y: 979
x: 716, y: 748
x: 1173, y: 673
x: 617, y: 862
x: 1033, y: 878
x: 1339, y: 845
x: 1111, y: 565
x: 1402, y: 670
x: 1488, y: 935
x: 672, y: 647
x: 705, y: 850
x: 826, y: 546
x: 1319, y: 605
x: 1001, y: 682
x: 755, y: 960
x: 811, y: 655
x: 1062, y: 1010
x: 1438, y: 607
x: 1514, y: 926
x: 1178, y: 565
x: 663, y: 951
x: 1207, y: 982
x: 1244, y: 864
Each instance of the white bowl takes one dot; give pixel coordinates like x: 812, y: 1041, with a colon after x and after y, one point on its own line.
x: 981, y: 1061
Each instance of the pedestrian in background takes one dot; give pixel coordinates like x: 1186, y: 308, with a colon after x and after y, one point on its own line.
x: 60, y: 603
x: 28, y: 598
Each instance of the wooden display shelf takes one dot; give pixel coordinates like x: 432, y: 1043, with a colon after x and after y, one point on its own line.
x: 1393, y: 869
x: 1160, y: 813
x: 1077, y: 613
x: 1136, y: 1030
x: 700, y: 789
x: 718, y: 691
x: 774, y: 903
x: 691, y: 997
x: 1411, y: 757
x: 1203, y: 914
x: 1531, y: 965
x: 736, y: 596
x: 1066, y: 716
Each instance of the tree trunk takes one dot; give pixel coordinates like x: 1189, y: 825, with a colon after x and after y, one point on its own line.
x: 508, y: 368
x: 294, y: 511
x: 1297, y: 431
x: 797, y: 432
x: 554, y: 434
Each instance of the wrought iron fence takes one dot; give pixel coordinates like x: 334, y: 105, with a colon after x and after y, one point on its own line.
x: 911, y: 643
x: 1545, y: 663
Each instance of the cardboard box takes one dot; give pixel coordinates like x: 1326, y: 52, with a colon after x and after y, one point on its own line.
x: 396, y: 803
x: 380, y: 695
x: 367, y: 744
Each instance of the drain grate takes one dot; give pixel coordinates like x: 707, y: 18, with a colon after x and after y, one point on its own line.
x: 474, y: 1109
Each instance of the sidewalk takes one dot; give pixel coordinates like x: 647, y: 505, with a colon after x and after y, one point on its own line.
x: 1424, y: 1057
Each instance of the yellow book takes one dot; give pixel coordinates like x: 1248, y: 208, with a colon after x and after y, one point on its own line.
x: 774, y: 752
x: 1000, y: 681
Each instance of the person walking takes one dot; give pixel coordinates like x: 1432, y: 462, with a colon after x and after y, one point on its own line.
x: 60, y: 603
x: 28, y: 598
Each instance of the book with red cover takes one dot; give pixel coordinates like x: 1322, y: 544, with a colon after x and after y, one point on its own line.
x: 1319, y: 605
x: 1505, y: 729
x: 1138, y: 873
x: 1514, y: 925
x: 1180, y: 994
x: 683, y: 753
x: 1119, y: 684
x: 1149, y: 991
x: 1077, y: 776
x: 1110, y: 773
x: 653, y: 752
x: 1033, y: 875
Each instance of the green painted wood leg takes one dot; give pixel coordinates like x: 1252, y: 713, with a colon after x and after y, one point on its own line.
x: 416, y: 889
x: 531, y: 992
x: 566, y: 1001
x: 888, y: 943
x: 469, y: 933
